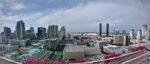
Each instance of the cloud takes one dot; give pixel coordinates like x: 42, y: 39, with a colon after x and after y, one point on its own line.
x: 17, y: 6
x: 86, y: 17
x: 13, y: 4
x: 54, y: 1
x: 1, y: 7
x: 11, y: 20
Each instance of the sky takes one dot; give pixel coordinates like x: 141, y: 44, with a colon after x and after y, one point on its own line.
x: 76, y: 15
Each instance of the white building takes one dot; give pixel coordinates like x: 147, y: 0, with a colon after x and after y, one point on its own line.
x: 147, y: 37
x: 18, y: 42
x: 139, y: 35
x: 132, y: 34
x: 113, y: 48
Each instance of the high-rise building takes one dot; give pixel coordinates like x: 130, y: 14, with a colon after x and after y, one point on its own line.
x: 1, y: 38
x: 20, y: 30
x: 4, y: 38
x: 63, y: 29
x: 116, y: 32
x: 123, y: 32
x: 100, y: 29
x: 52, y: 31
x: 132, y: 34
x: 14, y: 35
x: 147, y: 35
x: 28, y: 33
x: 144, y: 29
x: 31, y: 29
x: 139, y: 35
x: 62, y: 32
x: 7, y: 32
x: 41, y: 32
x: 107, y: 29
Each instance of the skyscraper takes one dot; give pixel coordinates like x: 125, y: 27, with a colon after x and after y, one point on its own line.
x: 123, y: 32
x: 4, y: 38
x: 147, y: 35
x: 132, y: 34
x: 139, y: 35
x: 100, y: 29
x: 107, y: 29
x: 116, y: 32
x: 41, y: 32
x: 1, y: 38
x: 14, y: 35
x: 62, y: 32
x: 7, y: 32
x: 63, y: 29
x: 144, y: 29
x: 28, y: 33
x: 20, y: 30
x: 31, y: 29
x: 52, y: 31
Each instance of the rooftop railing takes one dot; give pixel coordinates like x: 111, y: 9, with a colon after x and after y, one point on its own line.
x: 142, y: 59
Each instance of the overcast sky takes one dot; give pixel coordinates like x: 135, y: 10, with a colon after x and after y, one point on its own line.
x: 76, y: 15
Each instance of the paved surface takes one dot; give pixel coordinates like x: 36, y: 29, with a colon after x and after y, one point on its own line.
x: 1, y: 53
x: 2, y: 61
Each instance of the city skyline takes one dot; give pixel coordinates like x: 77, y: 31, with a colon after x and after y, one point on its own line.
x: 104, y: 28
x: 76, y: 16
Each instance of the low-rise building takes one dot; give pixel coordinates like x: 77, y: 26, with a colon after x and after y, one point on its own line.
x: 74, y: 52
x: 50, y: 43
x: 113, y: 48
x: 100, y: 44
x: 91, y: 51
x: 8, y: 48
x: 21, y: 43
x: 121, y: 40
x: 107, y: 39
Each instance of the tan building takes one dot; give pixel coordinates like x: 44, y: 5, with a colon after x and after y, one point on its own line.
x: 73, y: 52
x: 91, y: 51
x: 76, y: 52
x: 121, y: 40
